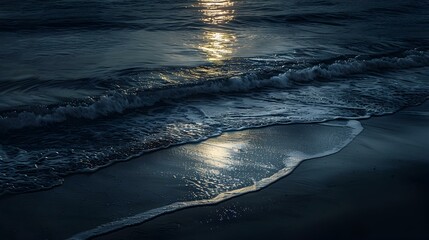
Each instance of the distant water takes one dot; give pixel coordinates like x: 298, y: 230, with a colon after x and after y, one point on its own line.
x: 87, y: 83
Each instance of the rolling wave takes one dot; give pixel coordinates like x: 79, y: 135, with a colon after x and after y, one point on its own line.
x: 121, y: 100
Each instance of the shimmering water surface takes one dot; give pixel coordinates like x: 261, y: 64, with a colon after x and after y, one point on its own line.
x: 87, y: 83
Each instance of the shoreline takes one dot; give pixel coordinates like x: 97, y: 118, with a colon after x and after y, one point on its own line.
x: 244, y: 216
x: 93, y: 188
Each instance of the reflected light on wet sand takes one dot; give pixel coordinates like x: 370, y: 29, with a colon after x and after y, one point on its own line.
x: 217, y: 155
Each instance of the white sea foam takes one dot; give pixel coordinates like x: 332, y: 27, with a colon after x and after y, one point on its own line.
x: 290, y: 163
x: 356, y: 66
x: 116, y: 102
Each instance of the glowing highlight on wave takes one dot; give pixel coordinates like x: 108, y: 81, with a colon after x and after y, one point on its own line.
x: 217, y: 46
x: 216, y: 12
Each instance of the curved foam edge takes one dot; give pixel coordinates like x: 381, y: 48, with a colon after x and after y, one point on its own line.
x: 115, y: 102
x: 153, y: 213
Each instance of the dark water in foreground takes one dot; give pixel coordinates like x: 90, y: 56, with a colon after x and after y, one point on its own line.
x: 87, y: 83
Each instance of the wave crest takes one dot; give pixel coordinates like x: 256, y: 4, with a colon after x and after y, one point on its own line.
x: 119, y: 101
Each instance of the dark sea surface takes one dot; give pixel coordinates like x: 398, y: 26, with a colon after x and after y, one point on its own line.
x: 84, y: 84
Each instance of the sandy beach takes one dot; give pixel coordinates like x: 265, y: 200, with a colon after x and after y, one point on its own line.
x: 214, y: 119
x: 374, y: 188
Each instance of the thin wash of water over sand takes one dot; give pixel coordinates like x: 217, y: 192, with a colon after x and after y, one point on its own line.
x: 375, y: 188
x: 101, y: 83
x: 170, y: 179
x: 238, y: 157
x: 85, y: 84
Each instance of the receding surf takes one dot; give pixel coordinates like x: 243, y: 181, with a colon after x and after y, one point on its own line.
x: 129, y: 121
x: 235, y: 163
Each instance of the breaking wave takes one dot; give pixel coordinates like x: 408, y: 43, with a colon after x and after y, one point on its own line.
x: 119, y: 101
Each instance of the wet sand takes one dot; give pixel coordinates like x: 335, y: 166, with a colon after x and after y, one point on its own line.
x: 375, y: 188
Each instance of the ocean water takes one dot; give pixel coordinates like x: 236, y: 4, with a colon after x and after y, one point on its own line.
x: 84, y: 84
